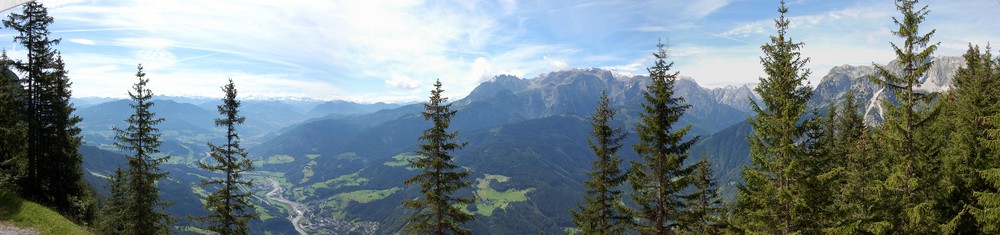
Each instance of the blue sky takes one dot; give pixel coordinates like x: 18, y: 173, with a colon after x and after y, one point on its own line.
x: 374, y: 50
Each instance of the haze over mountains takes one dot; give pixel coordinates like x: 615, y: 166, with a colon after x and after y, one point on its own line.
x: 345, y: 162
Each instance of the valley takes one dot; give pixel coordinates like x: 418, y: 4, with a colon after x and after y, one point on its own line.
x: 299, y: 210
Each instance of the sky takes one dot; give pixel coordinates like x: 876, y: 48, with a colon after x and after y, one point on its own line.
x: 393, y: 51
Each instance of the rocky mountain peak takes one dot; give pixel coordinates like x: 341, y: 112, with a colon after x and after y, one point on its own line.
x: 737, y: 97
x: 841, y: 79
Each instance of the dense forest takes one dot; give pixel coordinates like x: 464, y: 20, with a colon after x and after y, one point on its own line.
x: 929, y: 165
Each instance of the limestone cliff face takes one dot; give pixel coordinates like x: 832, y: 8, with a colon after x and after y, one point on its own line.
x: 737, y: 97
x: 576, y: 91
x: 834, y: 87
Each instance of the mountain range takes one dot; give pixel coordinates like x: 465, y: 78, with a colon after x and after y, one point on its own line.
x: 528, y: 154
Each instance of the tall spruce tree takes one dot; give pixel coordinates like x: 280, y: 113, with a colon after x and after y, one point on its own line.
x: 603, y: 211
x: 975, y: 88
x: 13, y: 132
x: 140, y: 141
x: 913, y: 189
x: 660, y: 177
x: 439, y: 177
x: 230, y: 206
x: 703, y: 206
x: 773, y: 199
x: 52, y: 176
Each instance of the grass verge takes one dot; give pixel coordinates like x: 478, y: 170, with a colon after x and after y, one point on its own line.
x: 20, y: 213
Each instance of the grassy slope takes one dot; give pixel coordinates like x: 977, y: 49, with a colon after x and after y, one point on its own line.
x: 17, y: 212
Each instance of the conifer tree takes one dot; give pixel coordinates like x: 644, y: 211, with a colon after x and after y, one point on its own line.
x: 850, y: 125
x: 113, y: 212
x: 603, y: 211
x: 659, y: 178
x: 818, y: 174
x: 140, y: 140
x: 704, y: 207
x: 854, y: 205
x: 987, y: 209
x: 12, y: 128
x: 52, y: 175
x: 822, y: 174
x: 987, y: 212
x: 975, y: 88
x: 70, y: 187
x: 773, y: 199
x: 913, y: 189
x: 439, y: 177
x: 230, y: 206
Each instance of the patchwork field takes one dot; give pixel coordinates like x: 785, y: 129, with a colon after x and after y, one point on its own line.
x: 489, y: 199
x: 307, y: 171
x: 402, y: 159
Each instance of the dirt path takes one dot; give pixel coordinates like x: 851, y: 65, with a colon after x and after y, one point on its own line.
x: 10, y: 229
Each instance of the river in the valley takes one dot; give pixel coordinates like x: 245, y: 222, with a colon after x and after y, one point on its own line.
x: 298, y: 210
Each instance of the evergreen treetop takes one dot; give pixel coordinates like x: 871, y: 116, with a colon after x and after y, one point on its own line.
x: 230, y: 206
x: 439, y: 177
x: 659, y: 177
x: 975, y: 88
x: 986, y: 208
x: 603, y: 212
x: 140, y: 141
x: 774, y: 197
x: 704, y: 207
x: 914, y: 186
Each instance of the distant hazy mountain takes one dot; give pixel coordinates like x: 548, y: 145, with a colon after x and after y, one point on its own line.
x: 192, y: 118
x: 178, y: 118
x: 737, y: 97
x: 85, y: 102
x: 340, y: 107
x: 264, y: 118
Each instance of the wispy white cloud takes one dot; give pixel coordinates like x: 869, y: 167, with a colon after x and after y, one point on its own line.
x: 58, y: 3
x: 402, y: 81
x: 366, y: 45
x: 556, y: 64
x: 836, y: 18
x: 651, y: 28
x: 702, y: 8
x: 746, y: 30
x: 415, y: 38
x: 82, y: 41
x: 634, y: 67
